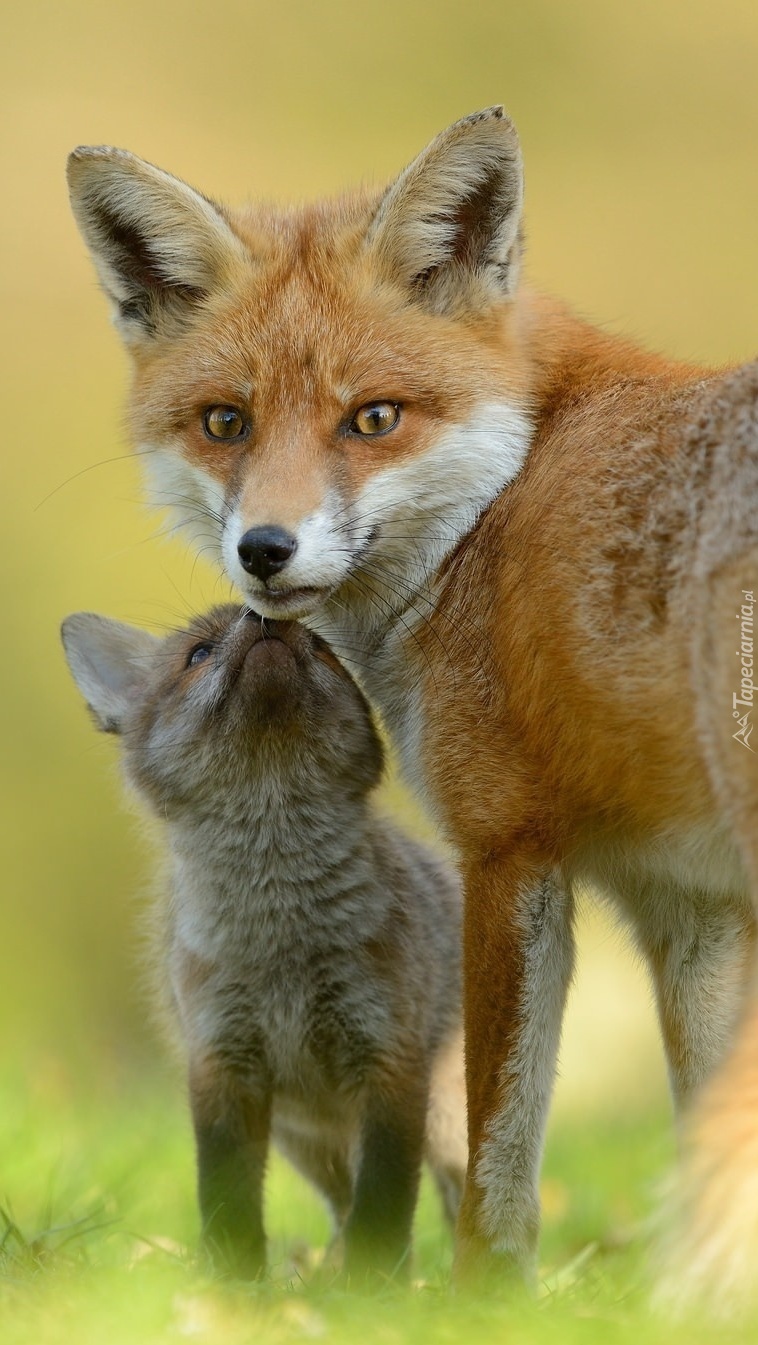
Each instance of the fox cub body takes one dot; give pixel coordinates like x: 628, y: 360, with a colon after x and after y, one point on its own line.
x: 312, y: 949
x: 540, y: 543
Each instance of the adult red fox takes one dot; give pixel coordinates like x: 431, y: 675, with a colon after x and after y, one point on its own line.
x: 537, y: 544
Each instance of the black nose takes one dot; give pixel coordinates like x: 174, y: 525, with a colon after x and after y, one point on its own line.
x: 265, y: 551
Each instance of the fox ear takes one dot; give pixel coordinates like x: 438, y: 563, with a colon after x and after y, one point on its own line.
x: 108, y: 662
x: 158, y: 245
x: 448, y: 228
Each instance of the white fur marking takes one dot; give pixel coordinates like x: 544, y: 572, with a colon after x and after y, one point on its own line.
x: 194, y: 498
x: 508, y: 1167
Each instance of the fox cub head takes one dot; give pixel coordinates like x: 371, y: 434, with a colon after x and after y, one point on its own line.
x: 329, y: 391
x: 229, y: 709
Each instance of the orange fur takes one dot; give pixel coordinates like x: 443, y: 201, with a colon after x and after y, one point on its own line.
x: 550, y: 653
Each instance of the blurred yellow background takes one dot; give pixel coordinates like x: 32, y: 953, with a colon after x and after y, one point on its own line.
x: 639, y: 124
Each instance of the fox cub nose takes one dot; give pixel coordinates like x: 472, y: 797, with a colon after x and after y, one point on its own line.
x: 265, y: 551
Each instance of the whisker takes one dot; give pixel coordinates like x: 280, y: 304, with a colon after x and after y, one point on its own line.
x: 456, y: 618
x: 396, y: 615
x: 104, y: 462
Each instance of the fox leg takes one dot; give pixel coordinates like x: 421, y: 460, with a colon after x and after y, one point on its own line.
x: 713, y: 1253
x: 378, y: 1228
x: 231, y: 1120
x: 518, y: 961
x: 700, y: 961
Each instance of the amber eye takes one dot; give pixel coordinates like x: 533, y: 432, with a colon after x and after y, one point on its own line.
x: 199, y: 654
x: 223, y: 422
x: 376, y: 418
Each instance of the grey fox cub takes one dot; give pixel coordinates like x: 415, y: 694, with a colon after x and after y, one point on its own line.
x: 312, y: 949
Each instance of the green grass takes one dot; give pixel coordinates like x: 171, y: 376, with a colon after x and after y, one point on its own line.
x: 98, y: 1226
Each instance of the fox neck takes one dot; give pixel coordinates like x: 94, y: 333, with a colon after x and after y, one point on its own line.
x: 570, y: 358
x: 388, y: 609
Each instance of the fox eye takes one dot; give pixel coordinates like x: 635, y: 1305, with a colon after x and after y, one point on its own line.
x: 375, y: 418
x: 224, y: 422
x: 199, y: 654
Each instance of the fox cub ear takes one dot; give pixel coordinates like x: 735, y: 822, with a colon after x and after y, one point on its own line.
x: 159, y: 246
x: 108, y: 662
x: 449, y: 228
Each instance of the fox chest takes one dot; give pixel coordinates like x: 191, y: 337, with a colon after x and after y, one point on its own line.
x: 306, y: 1030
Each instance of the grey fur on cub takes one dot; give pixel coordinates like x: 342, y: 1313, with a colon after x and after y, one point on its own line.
x: 312, y: 949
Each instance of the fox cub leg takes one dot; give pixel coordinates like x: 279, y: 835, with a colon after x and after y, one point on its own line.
x: 231, y: 1119
x: 378, y: 1228
x: 518, y: 961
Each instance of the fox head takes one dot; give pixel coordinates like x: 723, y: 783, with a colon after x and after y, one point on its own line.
x: 328, y: 393
x: 229, y: 707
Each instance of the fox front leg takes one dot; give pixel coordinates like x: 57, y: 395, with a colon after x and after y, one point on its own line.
x: 231, y: 1119
x: 378, y: 1228
x: 518, y: 959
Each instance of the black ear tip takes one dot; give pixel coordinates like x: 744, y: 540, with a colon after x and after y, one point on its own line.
x: 494, y: 113
x: 492, y: 122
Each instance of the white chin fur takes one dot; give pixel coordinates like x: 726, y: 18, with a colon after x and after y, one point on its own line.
x: 286, y: 607
x: 319, y: 565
